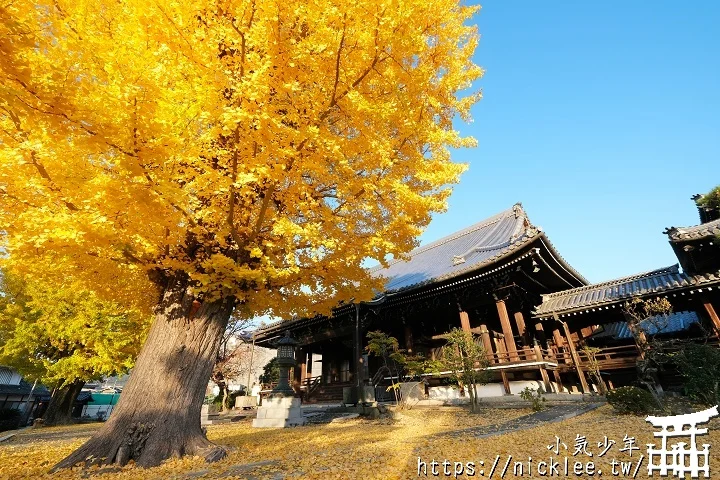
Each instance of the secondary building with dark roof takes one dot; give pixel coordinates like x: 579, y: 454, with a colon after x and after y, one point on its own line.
x: 597, y: 314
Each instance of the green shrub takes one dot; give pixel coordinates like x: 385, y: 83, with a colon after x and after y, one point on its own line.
x: 699, y: 366
x: 10, y: 414
x: 535, y: 397
x: 9, y: 419
x: 232, y: 395
x: 632, y: 400
x: 271, y: 372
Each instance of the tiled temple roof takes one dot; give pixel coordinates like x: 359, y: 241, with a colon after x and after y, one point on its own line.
x: 622, y: 289
x: 704, y: 230
x: 657, y: 325
x: 476, y: 247
x: 23, y: 389
x: 467, y: 250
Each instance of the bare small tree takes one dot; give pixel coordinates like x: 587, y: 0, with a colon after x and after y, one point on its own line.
x: 230, y: 361
x: 594, y: 367
x: 646, y: 319
x: 466, y: 359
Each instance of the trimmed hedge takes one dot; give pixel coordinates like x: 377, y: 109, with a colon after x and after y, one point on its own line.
x: 9, y: 419
x: 632, y: 400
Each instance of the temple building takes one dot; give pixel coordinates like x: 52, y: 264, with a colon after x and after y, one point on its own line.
x: 503, y: 281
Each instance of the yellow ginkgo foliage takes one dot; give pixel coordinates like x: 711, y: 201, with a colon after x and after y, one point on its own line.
x: 199, y: 155
x: 64, y: 336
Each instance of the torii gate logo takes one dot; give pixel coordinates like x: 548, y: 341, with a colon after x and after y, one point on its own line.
x: 679, y: 460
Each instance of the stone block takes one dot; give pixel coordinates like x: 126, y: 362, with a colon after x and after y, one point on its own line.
x: 372, y: 413
x: 205, y: 415
x: 278, y: 422
x: 281, y: 402
x: 246, y: 401
x: 279, y: 413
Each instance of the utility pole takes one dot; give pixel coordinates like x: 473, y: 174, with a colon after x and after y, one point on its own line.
x: 252, y: 353
x: 28, y: 405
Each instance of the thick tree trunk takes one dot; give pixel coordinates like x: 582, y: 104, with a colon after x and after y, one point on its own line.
x: 158, y: 414
x: 59, y: 412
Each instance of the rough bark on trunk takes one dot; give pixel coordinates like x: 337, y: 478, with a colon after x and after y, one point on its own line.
x: 59, y: 412
x: 158, y: 414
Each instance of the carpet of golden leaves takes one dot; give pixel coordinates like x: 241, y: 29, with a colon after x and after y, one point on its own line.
x: 356, y: 448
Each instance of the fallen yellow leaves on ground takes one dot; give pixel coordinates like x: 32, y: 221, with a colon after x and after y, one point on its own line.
x: 357, y: 448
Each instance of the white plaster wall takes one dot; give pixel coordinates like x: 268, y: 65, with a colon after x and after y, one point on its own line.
x: 517, y: 386
x: 488, y: 390
x: 443, y: 393
x: 491, y: 390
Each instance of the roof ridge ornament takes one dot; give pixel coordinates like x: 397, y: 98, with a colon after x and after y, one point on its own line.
x: 518, y: 209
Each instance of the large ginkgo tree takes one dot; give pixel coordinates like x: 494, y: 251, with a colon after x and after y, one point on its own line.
x: 199, y: 155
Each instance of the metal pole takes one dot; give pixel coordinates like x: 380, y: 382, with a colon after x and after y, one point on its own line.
x: 356, y: 347
x: 112, y: 398
x: 252, y: 354
x: 28, y: 406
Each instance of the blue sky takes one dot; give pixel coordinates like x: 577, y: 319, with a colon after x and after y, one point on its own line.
x: 602, y: 118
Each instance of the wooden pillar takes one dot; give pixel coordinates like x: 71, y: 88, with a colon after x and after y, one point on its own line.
x: 507, y: 330
x: 465, y: 321
x: 301, y: 366
x: 308, y: 365
x: 500, y: 348
x: 575, y: 357
x: 356, y: 365
x: 409, y: 342
x: 558, y: 380
x: 543, y: 370
x: 713, y: 316
x: 586, y: 332
x: 487, y: 344
x: 506, y: 383
x: 540, y: 334
x: 325, y: 367
x: 520, y: 322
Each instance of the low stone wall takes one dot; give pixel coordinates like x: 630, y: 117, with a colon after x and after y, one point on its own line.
x: 487, y: 390
x: 494, y: 393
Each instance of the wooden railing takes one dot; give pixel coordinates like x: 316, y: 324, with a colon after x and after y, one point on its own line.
x: 524, y: 355
x: 608, y: 358
x: 311, y: 385
x: 380, y: 375
x: 624, y: 356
